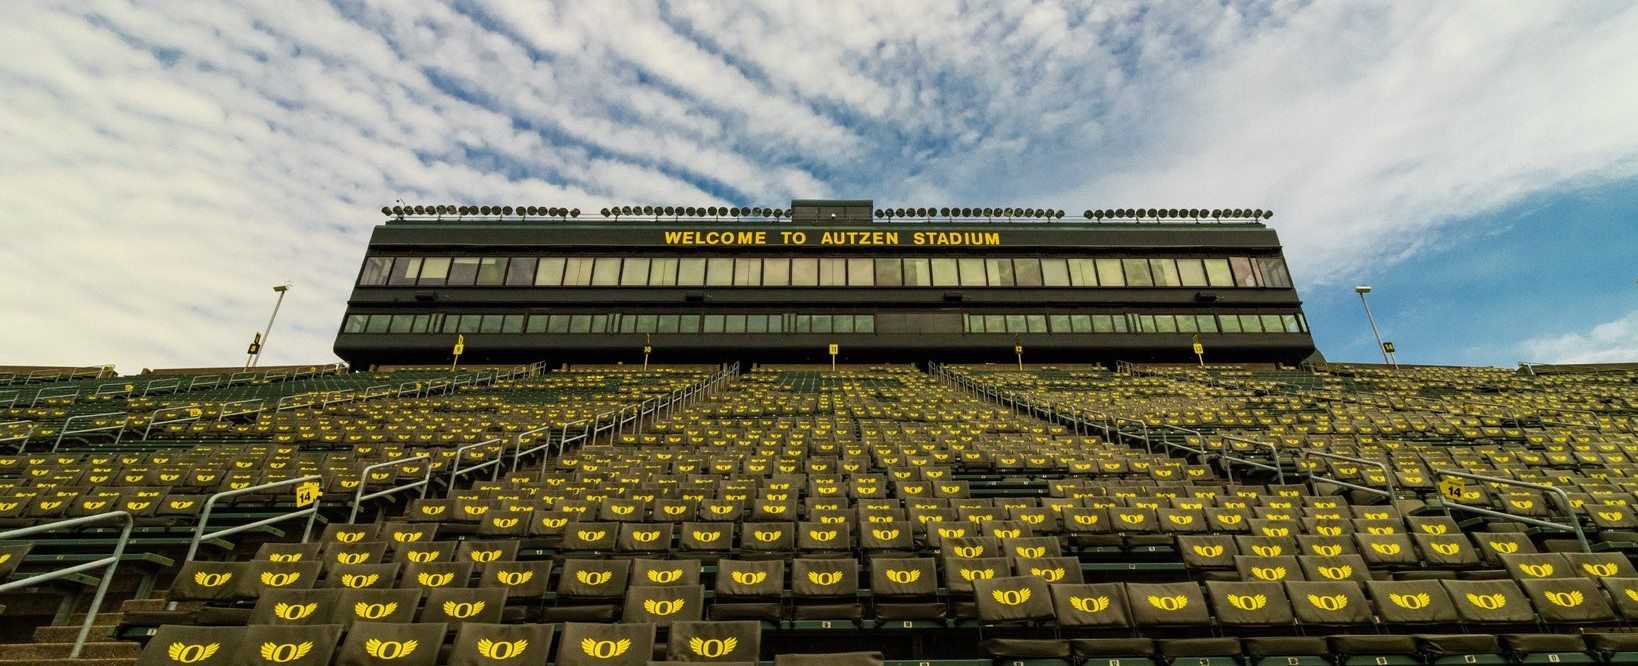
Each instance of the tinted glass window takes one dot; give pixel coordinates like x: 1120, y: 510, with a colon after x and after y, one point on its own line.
x: 918, y: 273
x: 776, y: 272
x: 606, y: 272
x: 434, y: 270
x: 577, y: 272
x: 634, y: 273
x: 861, y: 273
x: 1274, y: 273
x: 998, y: 272
x: 521, y: 272
x: 463, y: 272
x: 1218, y: 274
x: 972, y: 272
x: 748, y: 272
x: 832, y: 272
x: 944, y: 273
x: 375, y: 273
x: 662, y: 272
x: 804, y: 272
x: 889, y: 273
x: 1164, y: 272
x: 405, y: 270
x: 1137, y: 273
x: 691, y: 272
x: 1110, y: 273
x: 1055, y: 272
x: 1192, y: 273
x: 491, y: 271
x: 1027, y: 272
x: 549, y: 273
x: 1245, y: 275
x: 355, y: 323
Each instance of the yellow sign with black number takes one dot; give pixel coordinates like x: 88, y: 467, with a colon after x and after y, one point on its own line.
x: 1017, y: 349
x: 460, y: 344
x: 835, y: 349
x: 647, y: 349
x: 1452, y: 487
x: 307, y: 494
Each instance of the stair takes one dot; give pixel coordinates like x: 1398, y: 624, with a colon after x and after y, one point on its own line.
x: 53, y: 643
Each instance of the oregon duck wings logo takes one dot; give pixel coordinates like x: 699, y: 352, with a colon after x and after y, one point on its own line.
x: 664, y: 576
x: 1247, y: 602
x: 1169, y: 604
x: 1565, y: 599
x: 463, y: 610
x: 1331, y: 603
x: 389, y: 650
x: 1010, y: 597
x: 905, y: 577
x: 1600, y: 569
x: 284, y: 653
x: 1268, y: 573
x: 503, y: 650
x: 1089, y: 604
x: 713, y: 648
x: 1543, y: 570
x: 189, y: 653
x: 280, y: 579
x: 208, y: 579
x: 605, y: 648
x: 1411, y: 601
x: 662, y: 607
x: 825, y: 578
x: 1487, y: 601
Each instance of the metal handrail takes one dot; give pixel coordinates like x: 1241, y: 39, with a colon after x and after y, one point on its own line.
x: 151, y: 422
x: 364, y: 479
x: 455, y: 467
x: 154, y: 385
x: 204, y: 515
x: 65, y: 392
x: 24, y: 437
x: 123, y: 421
x: 1387, y: 473
x: 1276, y: 468
x: 261, y: 405
x: 109, y: 564
x: 1574, y: 524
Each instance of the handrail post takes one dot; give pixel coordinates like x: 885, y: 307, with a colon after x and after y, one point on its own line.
x: 1572, y: 525
x: 210, y: 503
x: 455, y: 467
x: 111, y: 563
x: 364, y: 479
x: 1387, y: 473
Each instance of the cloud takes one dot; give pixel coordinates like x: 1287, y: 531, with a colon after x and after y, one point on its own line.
x: 1613, y: 341
x: 167, y: 163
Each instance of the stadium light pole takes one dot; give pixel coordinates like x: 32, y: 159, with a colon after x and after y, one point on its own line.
x: 1366, y: 289
x: 280, y: 289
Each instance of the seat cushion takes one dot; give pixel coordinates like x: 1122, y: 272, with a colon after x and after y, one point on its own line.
x: 1372, y: 644
x: 1532, y: 643
x: 1084, y: 648
x: 1440, y: 645
x: 1258, y: 647
x: 1024, y: 648
x: 1613, y: 642
x: 1174, y: 648
x: 832, y: 659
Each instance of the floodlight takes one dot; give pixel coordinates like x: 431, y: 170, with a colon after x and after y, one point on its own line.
x: 1060, y: 214
x: 1256, y: 214
x: 1362, y: 289
x: 1268, y: 214
x: 574, y: 212
x: 944, y: 212
x: 1217, y: 213
x: 779, y: 212
x: 605, y: 212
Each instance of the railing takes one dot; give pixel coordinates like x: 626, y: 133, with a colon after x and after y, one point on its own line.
x: 62, y: 392
x: 23, y: 437
x: 199, y: 533
x: 153, y: 418
x: 1387, y: 473
x: 171, y: 383
x: 1572, y: 525
x: 455, y: 470
x: 66, y: 431
x: 364, y: 479
x: 227, y: 408
x: 107, y: 564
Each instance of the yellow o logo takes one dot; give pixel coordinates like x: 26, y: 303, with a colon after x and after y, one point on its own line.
x: 184, y: 653
x: 712, y: 648
x: 669, y: 576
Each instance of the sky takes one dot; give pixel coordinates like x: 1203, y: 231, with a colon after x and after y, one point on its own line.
x: 164, y: 164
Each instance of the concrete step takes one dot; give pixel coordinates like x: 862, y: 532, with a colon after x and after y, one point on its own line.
x: 106, y: 661
x: 40, y: 653
x: 157, y: 603
x: 100, y: 633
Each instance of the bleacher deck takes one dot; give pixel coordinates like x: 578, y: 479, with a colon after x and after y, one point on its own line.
x: 1351, y: 515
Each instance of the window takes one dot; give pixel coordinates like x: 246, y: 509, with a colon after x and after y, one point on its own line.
x: 1274, y: 273
x: 972, y: 272
x: 712, y: 323
x: 356, y: 323
x: 491, y: 323
x: 691, y: 272
x: 688, y: 324
x: 377, y: 323
x: 1230, y: 323
x: 1217, y: 273
x: 1245, y: 273
x: 376, y: 270
x: 995, y: 323
x: 512, y: 323
x: 1146, y: 323
x: 719, y: 272
x: 662, y: 272
x: 634, y: 272
x: 972, y: 323
x: 889, y: 273
x: 491, y: 271
x: 1015, y: 323
x: 998, y: 272
x: 918, y: 273
x: 404, y: 271
x: 549, y: 273
x: 535, y: 324
x: 1206, y: 323
x: 648, y: 323
x: 1060, y: 323
x: 776, y: 323
x: 756, y: 323
x: 470, y: 324
x: 944, y: 273
x: 463, y: 271
x: 434, y: 270
x: 423, y: 324
x: 842, y: 323
x: 747, y: 272
x: 864, y: 324
x: 1055, y: 272
x: 1164, y: 272
x: 804, y: 272
x: 1251, y: 324
x: 1027, y: 271
x: 821, y: 323
x: 1035, y: 323
x: 400, y: 323
x: 521, y: 272
x: 1137, y: 273
x: 1185, y: 324
x: 1273, y: 324
x: 452, y: 323
x: 1165, y: 324
x: 1109, y: 273
x: 668, y: 324
x: 803, y: 323
x: 1080, y: 323
x: 832, y: 272
x: 606, y: 272
x: 733, y: 323
x: 577, y: 272
x: 861, y: 273
x: 776, y: 272
x: 557, y: 324
x: 1291, y: 324
x: 1192, y: 273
